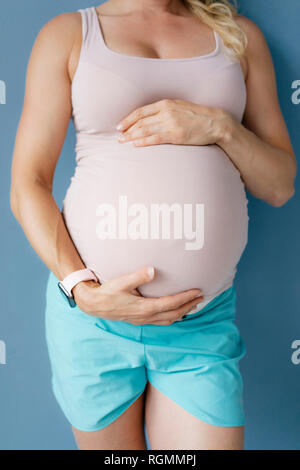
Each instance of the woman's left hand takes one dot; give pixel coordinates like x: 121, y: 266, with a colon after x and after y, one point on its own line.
x: 174, y: 121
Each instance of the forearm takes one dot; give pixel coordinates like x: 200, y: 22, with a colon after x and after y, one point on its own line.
x: 268, y: 171
x: 37, y: 212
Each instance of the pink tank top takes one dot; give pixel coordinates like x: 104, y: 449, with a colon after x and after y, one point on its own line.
x: 179, y: 208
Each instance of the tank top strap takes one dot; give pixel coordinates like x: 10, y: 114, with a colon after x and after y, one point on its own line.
x: 90, y: 29
x: 223, y: 50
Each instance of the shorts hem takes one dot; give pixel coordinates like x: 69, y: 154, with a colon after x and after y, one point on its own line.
x: 200, y: 415
x: 104, y: 425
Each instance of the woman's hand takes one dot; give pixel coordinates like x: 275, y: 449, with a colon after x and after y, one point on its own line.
x: 173, y: 121
x: 118, y: 299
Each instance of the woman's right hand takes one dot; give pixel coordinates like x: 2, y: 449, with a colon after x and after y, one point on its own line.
x: 118, y: 299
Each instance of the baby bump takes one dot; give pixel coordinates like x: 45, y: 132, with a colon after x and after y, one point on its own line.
x: 181, y: 209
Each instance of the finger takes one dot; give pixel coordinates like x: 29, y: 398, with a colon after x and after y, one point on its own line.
x: 133, y: 280
x: 141, y: 317
x: 144, y: 122
x: 142, y: 128
x: 136, y: 292
x: 170, y: 302
x: 177, y: 314
x: 155, y: 139
x: 139, y: 113
x: 166, y: 318
x: 137, y: 132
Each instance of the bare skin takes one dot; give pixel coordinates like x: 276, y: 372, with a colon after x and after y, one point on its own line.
x: 169, y: 427
x: 125, y: 433
x: 259, y: 147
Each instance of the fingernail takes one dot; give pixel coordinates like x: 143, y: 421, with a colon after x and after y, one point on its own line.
x: 119, y: 127
x: 150, y: 272
x: 122, y: 138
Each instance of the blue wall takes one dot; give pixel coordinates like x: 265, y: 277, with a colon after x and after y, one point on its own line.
x: 268, y: 280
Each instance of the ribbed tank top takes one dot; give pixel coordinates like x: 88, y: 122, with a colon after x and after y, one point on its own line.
x: 179, y: 208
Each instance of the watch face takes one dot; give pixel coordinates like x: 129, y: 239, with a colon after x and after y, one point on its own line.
x: 69, y: 298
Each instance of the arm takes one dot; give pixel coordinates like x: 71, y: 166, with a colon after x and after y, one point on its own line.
x: 260, y: 147
x: 39, y: 140
x: 40, y: 137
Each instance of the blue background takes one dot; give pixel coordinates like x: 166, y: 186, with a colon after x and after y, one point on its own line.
x: 268, y: 280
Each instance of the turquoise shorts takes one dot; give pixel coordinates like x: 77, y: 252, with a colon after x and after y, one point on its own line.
x: 100, y: 367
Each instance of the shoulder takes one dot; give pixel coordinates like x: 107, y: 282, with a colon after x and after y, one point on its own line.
x: 58, y: 40
x: 257, y: 43
x: 63, y: 24
x: 60, y: 32
x: 257, y: 54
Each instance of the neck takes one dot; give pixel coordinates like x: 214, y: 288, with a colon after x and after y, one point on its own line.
x: 152, y: 6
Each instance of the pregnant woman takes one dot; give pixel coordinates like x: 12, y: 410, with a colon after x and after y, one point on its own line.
x: 176, y: 113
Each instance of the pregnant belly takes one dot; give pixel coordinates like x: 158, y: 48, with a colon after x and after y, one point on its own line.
x: 181, y: 209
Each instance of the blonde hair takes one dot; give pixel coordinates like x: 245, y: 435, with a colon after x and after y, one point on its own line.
x: 219, y: 15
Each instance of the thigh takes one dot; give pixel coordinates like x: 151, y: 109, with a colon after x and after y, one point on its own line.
x: 195, y: 363
x: 125, y: 433
x: 97, y: 366
x: 170, y: 427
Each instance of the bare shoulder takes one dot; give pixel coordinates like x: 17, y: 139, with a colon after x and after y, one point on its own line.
x: 59, y: 40
x: 257, y: 44
x: 62, y: 26
x: 59, y: 34
x: 257, y: 54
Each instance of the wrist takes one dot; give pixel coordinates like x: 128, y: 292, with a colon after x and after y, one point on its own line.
x: 67, y: 284
x: 224, y: 130
x: 65, y: 270
x: 82, y: 289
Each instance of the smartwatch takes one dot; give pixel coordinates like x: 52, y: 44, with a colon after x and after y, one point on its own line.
x: 67, y: 284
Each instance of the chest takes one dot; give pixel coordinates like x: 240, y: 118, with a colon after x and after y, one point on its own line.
x: 103, y: 93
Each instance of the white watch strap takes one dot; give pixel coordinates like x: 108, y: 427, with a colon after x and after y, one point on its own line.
x: 77, y: 276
